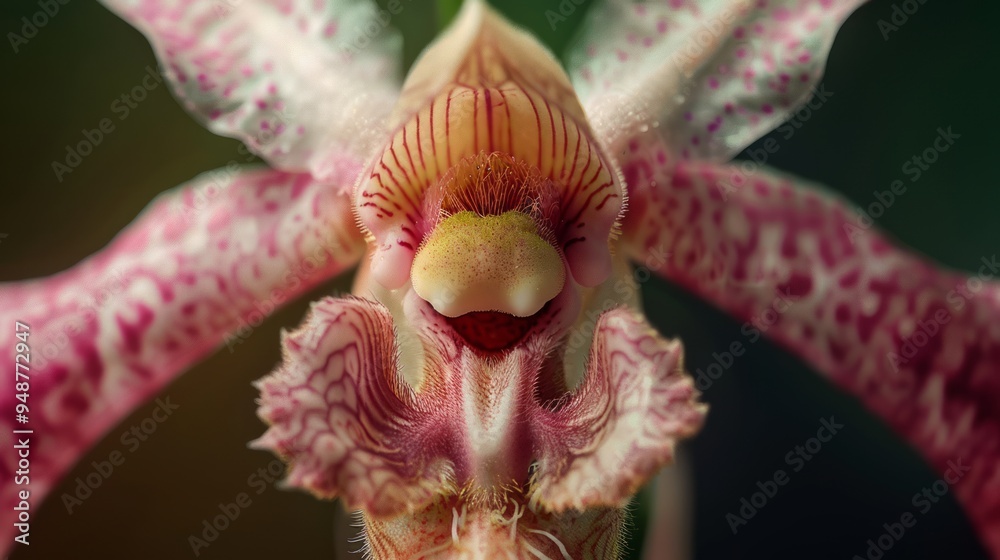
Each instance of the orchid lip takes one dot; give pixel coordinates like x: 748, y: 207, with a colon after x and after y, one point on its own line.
x: 493, y: 331
x: 487, y: 429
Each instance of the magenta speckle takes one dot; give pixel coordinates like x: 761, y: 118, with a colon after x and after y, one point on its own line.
x: 843, y: 313
x: 75, y: 402
x: 132, y: 332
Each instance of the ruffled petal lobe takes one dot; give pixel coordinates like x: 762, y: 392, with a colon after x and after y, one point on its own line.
x: 344, y: 418
x: 620, y: 427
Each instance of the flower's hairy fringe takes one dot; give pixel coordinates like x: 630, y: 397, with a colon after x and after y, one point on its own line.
x: 490, y: 184
x: 362, y: 537
x: 629, y: 526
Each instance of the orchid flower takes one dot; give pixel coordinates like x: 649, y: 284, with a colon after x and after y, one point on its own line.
x: 492, y: 388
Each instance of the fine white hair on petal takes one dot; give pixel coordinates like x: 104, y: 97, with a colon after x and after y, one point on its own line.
x: 306, y: 84
x: 712, y: 75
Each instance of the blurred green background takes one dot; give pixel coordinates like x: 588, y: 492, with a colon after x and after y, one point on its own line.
x: 889, y: 97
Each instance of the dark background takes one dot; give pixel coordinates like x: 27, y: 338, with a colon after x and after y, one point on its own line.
x: 889, y: 98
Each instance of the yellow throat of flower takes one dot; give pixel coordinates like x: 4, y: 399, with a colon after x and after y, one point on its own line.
x: 487, y: 263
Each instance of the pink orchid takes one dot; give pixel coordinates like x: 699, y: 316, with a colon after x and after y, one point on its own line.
x: 492, y: 389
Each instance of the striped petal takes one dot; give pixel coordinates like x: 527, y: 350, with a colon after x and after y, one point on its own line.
x: 488, y: 123
x: 712, y: 76
x: 215, y: 255
x: 301, y: 82
x: 920, y: 346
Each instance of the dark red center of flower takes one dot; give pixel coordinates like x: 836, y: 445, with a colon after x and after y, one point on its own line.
x: 492, y: 331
